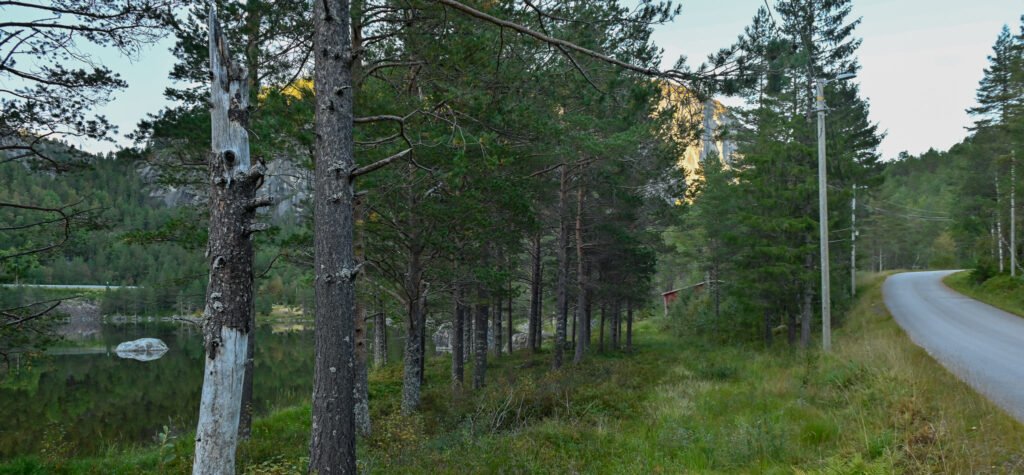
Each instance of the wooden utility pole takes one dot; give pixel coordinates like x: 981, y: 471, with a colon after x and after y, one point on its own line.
x: 853, y: 243
x: 1013, y: 214
x: 826, y: 298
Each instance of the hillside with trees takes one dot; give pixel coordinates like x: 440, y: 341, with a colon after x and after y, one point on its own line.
x: 500, y: 186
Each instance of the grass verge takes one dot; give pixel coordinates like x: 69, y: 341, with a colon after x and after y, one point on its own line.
x: 877, y: 404
x: 1001, y: 291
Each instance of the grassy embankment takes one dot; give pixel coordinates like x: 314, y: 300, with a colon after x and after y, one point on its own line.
x: 1001, y: 291
x: 878, y: 404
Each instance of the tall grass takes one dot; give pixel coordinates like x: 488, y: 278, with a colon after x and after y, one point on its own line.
x: 1000, y: 291
x: 679, y: 404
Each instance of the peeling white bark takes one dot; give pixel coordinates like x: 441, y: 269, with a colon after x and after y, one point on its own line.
x: 219, y: 407
x: 229, y: 304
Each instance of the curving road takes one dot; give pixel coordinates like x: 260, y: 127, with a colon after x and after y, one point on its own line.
x: 981, y: 344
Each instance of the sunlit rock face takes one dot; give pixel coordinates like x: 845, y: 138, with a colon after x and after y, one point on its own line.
x: 143, y: 349
x: 704, y: 125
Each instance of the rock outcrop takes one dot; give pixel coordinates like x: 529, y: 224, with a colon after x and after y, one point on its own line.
x: 143, y: 349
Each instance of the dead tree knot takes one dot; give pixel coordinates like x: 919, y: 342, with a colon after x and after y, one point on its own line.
x: 217, y: 262
x: 229, y: 157
x: 350, y: 273
x: 211, y: 347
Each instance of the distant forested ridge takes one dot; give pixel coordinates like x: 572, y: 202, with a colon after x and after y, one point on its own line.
x: 123, y: 233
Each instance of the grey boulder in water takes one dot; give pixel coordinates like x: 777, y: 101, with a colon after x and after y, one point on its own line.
x: 143, y: 349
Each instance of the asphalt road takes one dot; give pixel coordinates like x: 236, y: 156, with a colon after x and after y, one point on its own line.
x: 981, y: 344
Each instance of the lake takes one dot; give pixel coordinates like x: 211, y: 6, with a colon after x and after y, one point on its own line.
x: 87, y: 396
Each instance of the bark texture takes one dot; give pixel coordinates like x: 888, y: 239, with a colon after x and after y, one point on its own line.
x: 227, y: 319
x: 629, y: 327
x: 412, y: 377
x: 581, y: 283
x: 457, y: 339
x: 362, y: 388
x: 332, y: 442
x: 497, y: 329
x: 480, y: 349
x: 380, y: 340
x: 253, y: 17
x: 563, y: 263
x: 535, y: 307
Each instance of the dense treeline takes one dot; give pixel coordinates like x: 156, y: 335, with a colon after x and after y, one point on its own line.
x: 753, y: 232
x: 117, y: 238
x: 505, y: 169
x: 957, y: 208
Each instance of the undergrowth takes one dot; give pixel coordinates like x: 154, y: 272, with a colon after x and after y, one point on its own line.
x: 1000, y: 290
x: 876, y: 404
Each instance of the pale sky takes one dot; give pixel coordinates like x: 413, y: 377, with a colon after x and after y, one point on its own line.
x: 921, y: 61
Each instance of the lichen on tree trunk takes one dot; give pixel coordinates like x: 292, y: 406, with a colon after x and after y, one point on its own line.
x: 332, y: 440
x: 480, y: 347
x: 563, y: 262
x: 227, y: 316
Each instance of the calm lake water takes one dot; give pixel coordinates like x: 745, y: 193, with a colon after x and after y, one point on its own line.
x: 84, y: 393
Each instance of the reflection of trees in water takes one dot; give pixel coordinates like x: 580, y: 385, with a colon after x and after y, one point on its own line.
x: 101, y: 399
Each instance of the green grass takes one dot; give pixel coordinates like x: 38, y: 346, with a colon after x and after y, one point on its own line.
x: 1002, y: 291
x: 877, y: 404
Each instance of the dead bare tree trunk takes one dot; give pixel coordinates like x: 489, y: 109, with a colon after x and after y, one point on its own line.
x: 332, y: 442
x: 229, y: 300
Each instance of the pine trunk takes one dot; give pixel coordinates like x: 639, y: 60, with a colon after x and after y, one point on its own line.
x: 581, y: 283
x: 535, y: 307
x: 511, y: 329
x: 332, y: 443
x: 411, y: 378
x: 457, y: 338
x: 253, y: 17
x: 227, y: 321
x: 362, y: 390
x: 480, y: 353
x: 380, y: 339
x: 497, y: 329
x: 563, y: 264
x: 616, y: 317
x: 629, y: 327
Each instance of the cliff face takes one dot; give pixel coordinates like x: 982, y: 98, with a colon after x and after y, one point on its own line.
x: 714, y: 137
x: 704, y: 125
x: 289, y: 185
